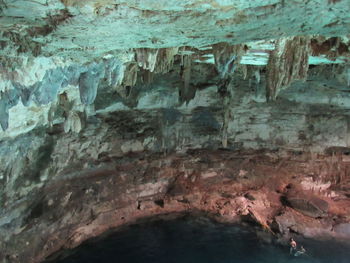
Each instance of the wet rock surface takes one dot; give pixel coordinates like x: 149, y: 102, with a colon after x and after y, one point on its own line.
x: 228, y: 186
x: 307, y: 203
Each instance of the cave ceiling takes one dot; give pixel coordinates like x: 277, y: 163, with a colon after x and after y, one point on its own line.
x: 47, y: 47
x: 90, y: 29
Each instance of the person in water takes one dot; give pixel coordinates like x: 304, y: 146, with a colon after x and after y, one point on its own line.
x: 293, y: 246
x: 300, y: 252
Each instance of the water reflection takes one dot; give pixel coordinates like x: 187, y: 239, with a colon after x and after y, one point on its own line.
x: 198, y: 240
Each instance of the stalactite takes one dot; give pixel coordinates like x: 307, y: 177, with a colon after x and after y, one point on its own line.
x: 73, y: 122
x: 130, y: 75
x: 288, y: 62
x: 257, y: 75
x: 156, y: 60
x: 48, y: 88
x: 146, y: 58
x: 227, y: 57
x: 227, y: 102
x: 114, y: 72
x: 165, y: 59
x: 186, y: 74
x: 186, y: 93
x: 89, y: 81
x: 4, y: 115
x: 8, y: 99
x: 129, y: 80
x: 244, y: 71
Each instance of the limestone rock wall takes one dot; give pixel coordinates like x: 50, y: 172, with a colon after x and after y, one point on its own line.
x: 156, y: 121
x: 101, y: 102
x: 148, y: 120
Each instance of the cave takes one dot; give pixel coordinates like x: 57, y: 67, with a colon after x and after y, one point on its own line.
x: 114, y: 113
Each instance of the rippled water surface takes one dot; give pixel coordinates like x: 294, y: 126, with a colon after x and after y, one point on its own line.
x: 190, y: 240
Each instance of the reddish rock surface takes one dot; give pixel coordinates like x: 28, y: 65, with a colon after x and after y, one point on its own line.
x: 228, y: 186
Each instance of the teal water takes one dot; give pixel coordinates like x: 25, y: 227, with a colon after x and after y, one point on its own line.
x: 190, y: 240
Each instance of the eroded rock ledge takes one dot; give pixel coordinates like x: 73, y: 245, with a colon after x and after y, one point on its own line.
x: 231, y: 186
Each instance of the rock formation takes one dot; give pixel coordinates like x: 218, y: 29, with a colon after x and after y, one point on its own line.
x: 112, y: 111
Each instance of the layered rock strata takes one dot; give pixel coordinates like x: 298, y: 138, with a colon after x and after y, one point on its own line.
x: 284, y: 165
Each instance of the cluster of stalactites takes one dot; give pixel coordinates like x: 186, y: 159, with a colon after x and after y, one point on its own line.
x: 156, y: 60
x: 227, y: 57
x: 165, y: 59
x: 289, y: 61
x: 146, y: 58
x: 331, y: 48
x: 148, y: 62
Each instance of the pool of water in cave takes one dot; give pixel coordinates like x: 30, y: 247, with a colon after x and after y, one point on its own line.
x: 192, y: 240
